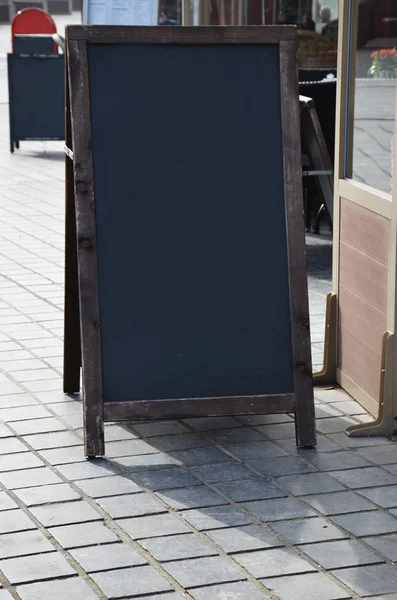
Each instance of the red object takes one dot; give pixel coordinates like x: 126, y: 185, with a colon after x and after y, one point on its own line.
x: 33, y: 21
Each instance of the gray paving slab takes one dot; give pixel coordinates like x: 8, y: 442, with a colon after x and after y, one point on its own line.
x: 301, y: 531
x: 240, y: 590
x: 6, y: 503
x: 176, y: 547
x: 240, y: 539
x: 152, y: 526
x: 107, y: 557
x: 338, y: 503
x: 385, y: 544
x: 371, y: 523
x: 278, y: 509
x: 255, y: 489
x: 310, y: 586
x: 28, y: 569
x: 13, y: 545
x: 61, y: 589
x: 274, y: 562
x: 341, y: 553
x: 195, y: 497
x: 108, y: 486
x: 135, y: 581
x: 369, y: 580
x: 46, y: 494
x: 385, y: 496
x: 215, y: 517
x: 83, y: 534
x: 197, y: 572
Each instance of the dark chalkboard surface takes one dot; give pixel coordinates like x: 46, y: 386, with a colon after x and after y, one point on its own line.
x: 37, y: 97
x: 197, y: 279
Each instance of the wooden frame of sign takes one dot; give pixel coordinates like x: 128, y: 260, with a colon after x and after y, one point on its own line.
x: 83, y: 263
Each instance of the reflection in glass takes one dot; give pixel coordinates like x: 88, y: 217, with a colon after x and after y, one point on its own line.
x: 375, y: 69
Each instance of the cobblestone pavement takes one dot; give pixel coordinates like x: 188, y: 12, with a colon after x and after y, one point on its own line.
x: 202, y: 509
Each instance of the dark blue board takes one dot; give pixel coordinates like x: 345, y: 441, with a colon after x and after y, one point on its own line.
x: 190, y: 215
x: 37, y: 97
x: 33, y: 44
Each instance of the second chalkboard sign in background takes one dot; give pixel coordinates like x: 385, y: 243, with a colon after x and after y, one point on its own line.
x: 190, y: 232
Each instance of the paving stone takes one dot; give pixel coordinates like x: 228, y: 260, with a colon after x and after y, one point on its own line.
x: 224, y: 472
x: 325, y: 411
x: 23, y: 543
x: 38, y: 426
x: 311, y: 483
x: 363, y: 478
x: 334, y: 425
x: 4, y: 595
x: 11, y: 446
x: 391, y: 469
x: 215, y: 517
x: 385, y: 544
x: 6, y: 503
x: 5, y: 432
x: 171, y: 443
x: 128, y: 448
x: 381, y: 455
x: 177, y: 547
x: 239, y: 539
x: 46, y: 494
x: 66, y: 513
x: 256, y: 451
x: 156, y: 428
x: 136, y: 505
x: 108, y: 556
x: 200, y: 456
x: 196, y: 497
x: 330, y: 395
x: 241, y: 590
x: 87, y: 470
x: 28, y: 569
x: 15, y: 462
x: 349, y: 407
x: 279, y: 509
x: 17, y: 400
x: 323, y: 445
x: 254, y: 489
x: 209, y: 423
x: 253, y: 420
x: 388, y: 597
x: 130, y: 583
x: 278, y: 431
x: 338, y: 503
x: 45, y: 441
x: 312, y: 586
x: 146, y: 462
x: 116, y: 433
x: 83, y: 534
x: 61, y: 589
x: 386, y: 497
x: 108, y: 486
x: 372, y: 523
x: 196, y: 572
x: 62, y: 456
x: 170, y: 596
x: 286, y: 465
x: 333, y: 461
x: 302, y: 531
x: 28, y: 478
x: 35, y: 411
x: 370, y: 580
x: 152, y: 526
x: 273, y: 562
x: 237, y: 435
x: 357, y: 442
x: 15, y: 520
x: 338, y: 554
x: 166, y: 479
x: 67, y: 408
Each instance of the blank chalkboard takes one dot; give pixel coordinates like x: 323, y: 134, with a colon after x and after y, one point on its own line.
x: 192, y: 267
x: 37, y: 97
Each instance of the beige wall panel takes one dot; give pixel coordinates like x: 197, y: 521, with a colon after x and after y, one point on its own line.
x: 365, y: 230
x: 361, y: 320
x: 361, y: 364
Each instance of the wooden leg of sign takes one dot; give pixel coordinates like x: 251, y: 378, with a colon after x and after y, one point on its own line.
x: 17, y: 144
x: 94, y: 438
x: 327, y: 375
x: 386, y: 423
x: 72, y: 342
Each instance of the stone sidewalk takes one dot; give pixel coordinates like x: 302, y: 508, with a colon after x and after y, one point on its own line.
x: 201, y: 509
